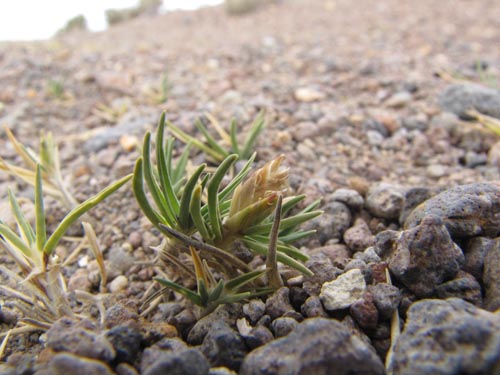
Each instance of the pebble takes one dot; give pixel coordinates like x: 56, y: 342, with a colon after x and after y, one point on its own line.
x: 459, y: 98
x: 344, y: 290
x: 223, y: 346
x: 447, y: 337
x: 258, y: 336
x: 224, y: 313
x: 79, y: 280
x: 323, y: 270
x: 283, y: 326
x: 385, y: 200
x: 278, y: 304
x: 221, y: 371
x: 80, y: 339
x: 494, y: 155
x: 189, y: 361
x: 364, y: 312
x: 413, y: 197
x: 313, y: 308
x: 66, y: 363
x: 126, y: 341
x: 491, y: 277
x: 350, y: 197
x: 475, y: 250
x: 308, y: 94
x: 118, y: 284
x: 386, y: 298
x: 423, y: 257
x: 316, y: 346
x: 463, y: 286
x: 358, y: 237
x: 399, y: 99
x: 466, y: 210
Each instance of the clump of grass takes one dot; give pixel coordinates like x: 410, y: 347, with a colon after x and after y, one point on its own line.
x: 205, y: 220
x: 49, y: 162
x: 40, y: 293
x: 228, y: 144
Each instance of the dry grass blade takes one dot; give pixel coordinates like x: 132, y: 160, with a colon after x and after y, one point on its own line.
x: 92, y: 239
x: 491, y: 123
x: 4, y: 343
x: 395, y: 332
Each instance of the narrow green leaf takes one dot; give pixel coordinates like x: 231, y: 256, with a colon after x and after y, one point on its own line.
x: 216, y: 292
x: 10, y: 237
x: 186, y: 138
x: 147, y: 172
x: 184, y: 217
x: 188, y: 293
x: 78, y: 211
x: 273, y: 276
x: 291, y: 202
x: 211, y: 140
x: 140, y: 195
x: 163, y: 161
x: 195, y: 210
x: 289, y: 222
x: 238, y: 282
x: 202, y: 292
x: 254, y: 132
x: 40, y: 231
x: 24, y: 226
x: 180, y: 168
x: 260, y: 248
x: 233, y: 298
x: 297, y: 235
x: 213, y: 198
x: 234, y: 137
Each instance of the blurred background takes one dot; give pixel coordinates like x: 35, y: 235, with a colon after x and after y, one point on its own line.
x: 35, y: 19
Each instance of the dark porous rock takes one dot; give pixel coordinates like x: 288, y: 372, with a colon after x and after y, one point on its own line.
x: 283, y: 326
x: 317, y: 346
x: 491, y: 277
x: 258, y: 336
x: 385, y: 200
x: 338, y: 253
x: 332, y: 224
x: 349, y: 197
x: 79, y: 338
x: 254, y: 310
x: 368, y: 256
x: 223, y: 346
x: 466, y: 210
x: 460, y: 98
x: 386, y: 298
x: 156, y: 351
x: 448, y: 337
x: 278, y: 304
x: 126, y: 341
x: 189, y: 361
x: 413, y: 197
x: 475, y: 250
x: 364, y: 312
x: 225, y: 313
x: 424, y: 257
x: 323, y: 270
x: 463, y: 286
x: 183, y: 321
x: 297, y: 297
x: 358, y: 237
x: 65, y: 363
x: 313, y: 308
x: 120, y: 313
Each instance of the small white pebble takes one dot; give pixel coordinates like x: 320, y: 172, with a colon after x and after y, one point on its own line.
x: 118, y: 284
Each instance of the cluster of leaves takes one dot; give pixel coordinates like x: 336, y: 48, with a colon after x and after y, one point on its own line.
x: 41, y: 289
x: 198, y: 214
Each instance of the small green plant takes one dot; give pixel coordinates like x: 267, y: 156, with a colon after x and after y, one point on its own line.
x: 490, y: 123
x: 228, y: 144
x: 49, y: 162
x: 55, y: 88
x: 203, y: 219
x: 40, y: 292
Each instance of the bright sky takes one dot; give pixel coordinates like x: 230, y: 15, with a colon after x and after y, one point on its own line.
x: 40, y: 19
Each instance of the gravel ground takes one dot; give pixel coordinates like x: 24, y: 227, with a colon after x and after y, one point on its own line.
x: 368, y: 102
